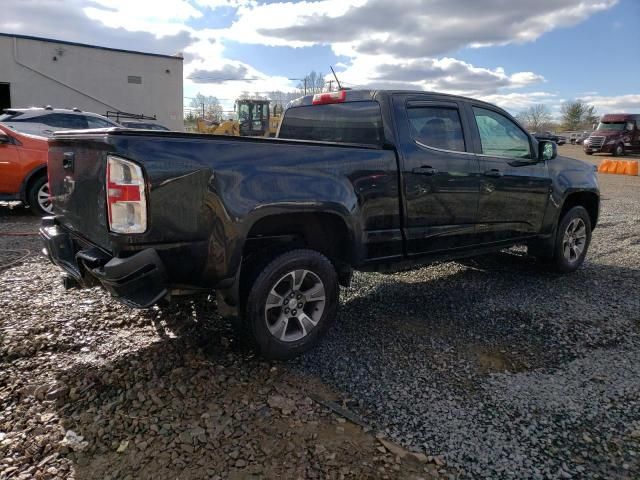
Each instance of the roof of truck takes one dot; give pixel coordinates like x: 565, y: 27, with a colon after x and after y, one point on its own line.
x: 620, y: 117
x: 369, y: 94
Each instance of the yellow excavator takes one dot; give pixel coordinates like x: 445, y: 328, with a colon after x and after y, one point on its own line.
x: 254, y: 120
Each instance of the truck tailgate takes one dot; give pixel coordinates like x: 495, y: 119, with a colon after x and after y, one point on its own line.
x: 77, y: 185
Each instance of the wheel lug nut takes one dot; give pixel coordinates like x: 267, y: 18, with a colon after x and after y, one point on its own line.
x: 286, y: 310
x: 300, y: 305
x: 295, y: 312
x: 299, y: 297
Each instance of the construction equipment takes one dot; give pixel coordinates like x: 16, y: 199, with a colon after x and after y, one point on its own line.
x: 255, y: 117
x: 226, y: 127
x: 254, y: 120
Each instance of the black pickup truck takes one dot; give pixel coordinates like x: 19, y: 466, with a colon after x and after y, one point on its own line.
x: 367, y: 180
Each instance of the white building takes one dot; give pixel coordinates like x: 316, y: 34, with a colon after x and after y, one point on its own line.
x: 39, y: 71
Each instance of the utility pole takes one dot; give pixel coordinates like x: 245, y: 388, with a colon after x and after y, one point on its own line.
x: 305, y: 85
x: 331, y: 85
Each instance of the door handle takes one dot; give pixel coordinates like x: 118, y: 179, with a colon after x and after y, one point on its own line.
x: 494, y: 172
x: 425, y: 170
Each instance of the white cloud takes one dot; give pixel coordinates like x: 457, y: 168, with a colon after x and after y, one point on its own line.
x: 388, y: 43
x: 414, y: 28
x: 614, y: 104
x: 516, y: 101
x: 253, y: 18
x: 444, y: 74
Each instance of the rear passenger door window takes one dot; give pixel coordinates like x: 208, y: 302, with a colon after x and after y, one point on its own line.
x: 499, y: 136
x: 64, y: 120
x: 437, y: 127
x: 94, y: 122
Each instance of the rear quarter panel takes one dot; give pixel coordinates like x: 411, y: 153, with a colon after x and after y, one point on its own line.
x: 205, y: 193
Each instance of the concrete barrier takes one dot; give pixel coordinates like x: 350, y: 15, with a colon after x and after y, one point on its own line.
x: 619, y: 167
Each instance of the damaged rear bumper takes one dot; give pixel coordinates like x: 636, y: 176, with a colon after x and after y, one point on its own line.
x: 139, y: 280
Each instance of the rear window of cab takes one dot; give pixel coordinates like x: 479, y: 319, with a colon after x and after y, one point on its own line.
x: 350, y: 122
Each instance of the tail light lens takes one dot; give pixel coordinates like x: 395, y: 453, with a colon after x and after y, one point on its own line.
x: 126, y: 200
x: 331, y: 97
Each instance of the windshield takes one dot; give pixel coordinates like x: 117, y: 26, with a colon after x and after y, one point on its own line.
x: 9, y: 116
x: 615, y: 126
x: 244, y: 112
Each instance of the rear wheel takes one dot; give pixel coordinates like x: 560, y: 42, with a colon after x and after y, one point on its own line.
x: 291, y: 303
x: 38, y: 197
x: 572, y: 240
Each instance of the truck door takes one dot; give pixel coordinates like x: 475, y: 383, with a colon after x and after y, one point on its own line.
x: 515, y: 187
x: 440, y: 174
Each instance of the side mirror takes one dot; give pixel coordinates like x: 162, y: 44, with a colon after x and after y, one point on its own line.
x: 547, y: 150
x: 4, y: 138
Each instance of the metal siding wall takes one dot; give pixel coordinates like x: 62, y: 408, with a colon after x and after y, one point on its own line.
x: 101, y: 74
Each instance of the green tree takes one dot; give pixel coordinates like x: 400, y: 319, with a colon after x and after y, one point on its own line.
x: 577, y: 115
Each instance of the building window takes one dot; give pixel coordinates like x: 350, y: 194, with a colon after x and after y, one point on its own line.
x: 134, y: 79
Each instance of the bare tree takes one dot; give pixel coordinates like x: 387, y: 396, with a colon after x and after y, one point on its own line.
x: 536, y: 118
x: 207, y: 107
x: 313, y: 82
x: 280, y: 99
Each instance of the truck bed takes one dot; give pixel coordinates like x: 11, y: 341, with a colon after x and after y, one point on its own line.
x: 205, y: 192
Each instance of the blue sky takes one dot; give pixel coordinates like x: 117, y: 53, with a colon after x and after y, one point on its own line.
x: 515, y: 53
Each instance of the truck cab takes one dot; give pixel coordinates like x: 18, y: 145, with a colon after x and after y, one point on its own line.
x: 616, y: 134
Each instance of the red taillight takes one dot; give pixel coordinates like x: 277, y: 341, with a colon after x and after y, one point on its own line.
x: 126, y: 200
x: 331, y: 97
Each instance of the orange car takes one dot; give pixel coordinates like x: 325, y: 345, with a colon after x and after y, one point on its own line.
x: 23, y: 170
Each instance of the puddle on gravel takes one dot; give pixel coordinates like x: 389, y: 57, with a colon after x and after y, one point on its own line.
x: 491, y: 359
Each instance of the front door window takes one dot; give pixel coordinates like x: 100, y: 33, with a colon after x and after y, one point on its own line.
x: 499, y: 136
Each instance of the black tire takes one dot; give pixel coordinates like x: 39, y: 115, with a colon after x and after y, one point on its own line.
x: 563, y: 262
x: 257, y: 317
x: 619, y: 150
x: 589, y: 153
x: 32, y: 196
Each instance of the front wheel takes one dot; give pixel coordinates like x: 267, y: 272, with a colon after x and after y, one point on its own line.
x: 572, y: 240
x: 38, y: 197
x: 291, y: 303
x: 619, y: 150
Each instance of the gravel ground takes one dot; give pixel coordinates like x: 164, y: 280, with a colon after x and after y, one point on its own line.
x: 504, y: 369
x: 490, y: 368
x: 92, y: 389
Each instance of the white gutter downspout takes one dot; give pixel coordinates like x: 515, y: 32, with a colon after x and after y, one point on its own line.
x: 15, y: 58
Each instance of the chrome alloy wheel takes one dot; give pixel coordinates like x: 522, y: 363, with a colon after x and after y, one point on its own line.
x: 295, y: 305
x: 575, y: 239
x: 44, y: 201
